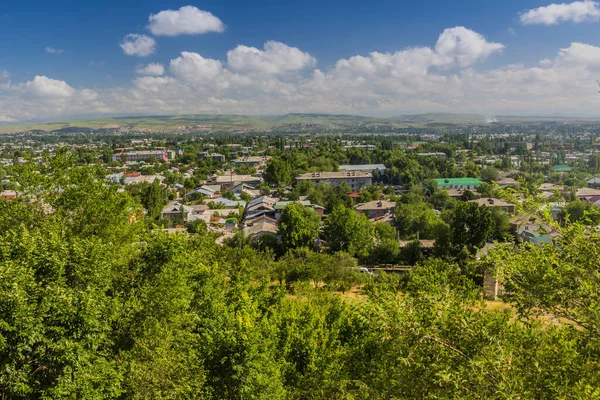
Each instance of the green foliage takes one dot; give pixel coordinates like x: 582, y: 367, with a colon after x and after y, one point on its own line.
x: 95, y: 306
x: 471, y: 225
x: 349, y: 231
x: 298, y: 226
x: 278, y: 173
x: 416, y: 218
x: 490, y: 174
x: 580, y: 212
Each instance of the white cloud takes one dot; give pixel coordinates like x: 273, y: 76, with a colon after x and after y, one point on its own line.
x: 4, y: 74
x: 276, y: 58
x: 195, y: 69
x: 52, y: 50
x: 138, y: 45
x: 188, y: 20
x: 153, y: 69
x: 461, y: 46
x: 578, y: 11
x: 88, y: 94
x: 440, y: 78
x: 580, y: 53
x: 42, y: 86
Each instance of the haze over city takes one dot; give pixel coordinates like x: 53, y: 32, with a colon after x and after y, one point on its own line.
x: 69, y: 59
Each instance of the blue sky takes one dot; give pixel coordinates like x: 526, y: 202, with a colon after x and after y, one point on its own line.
x: 65, y: 58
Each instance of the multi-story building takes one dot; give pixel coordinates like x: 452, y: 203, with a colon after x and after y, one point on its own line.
x: 355, y: 179
x: 251, y: 161
x: 123, y: 155
x: 376, y: 208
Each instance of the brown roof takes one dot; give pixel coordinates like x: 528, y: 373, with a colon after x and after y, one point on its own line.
x: 425, y: 243
x: 492, y: 202
x: 376, y: 205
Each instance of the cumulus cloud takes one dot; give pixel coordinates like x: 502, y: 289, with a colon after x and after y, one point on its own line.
x: 275, y: 58
x: 578, y: 11
x: 443, y: 77
x: 188, y: 20
x: 580, y: 53
x: 42, y: 86
x: 4, y: 74
x: 153, y: 69
x: 88, y: 94
x: 52, y: 50
x: 461, y: 46
x: 138, y: 45
x: 195, y: 69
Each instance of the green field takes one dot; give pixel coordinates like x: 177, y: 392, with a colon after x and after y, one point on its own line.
x: 226, y: 122
x: 217, y: 122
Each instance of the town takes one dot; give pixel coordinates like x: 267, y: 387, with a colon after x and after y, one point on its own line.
x: 445, y: 193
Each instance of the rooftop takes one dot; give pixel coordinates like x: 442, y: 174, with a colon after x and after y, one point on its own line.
x: 376, y: 205
x: 335, y: 175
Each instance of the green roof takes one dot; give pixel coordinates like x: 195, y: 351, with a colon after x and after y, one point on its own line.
x: 563, y: 168
x: 280, y: 205
x: 451, y: 182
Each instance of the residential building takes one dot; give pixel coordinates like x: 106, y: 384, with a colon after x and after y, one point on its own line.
x: 251, y: 161
x: 364, y: 167
x: 213, y: 156
x: 355, y: 179
x: 8, y: 195
x: 376, y: 208
x: 128, y: 156
x: 496, y: 203
x: 230, y: 180
x: 458, y: 183
x: 586, y: 194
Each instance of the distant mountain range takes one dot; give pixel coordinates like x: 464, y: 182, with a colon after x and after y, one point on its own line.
x: 288, y: 122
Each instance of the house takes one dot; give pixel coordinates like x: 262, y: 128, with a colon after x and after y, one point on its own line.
x: 174, y: 210
x: 251, y: 161
x: 458, y: 183
x: 261, y: 204
x: 201, y: 192
x: 458, y: 194
x: 260, y: 228
x: 8, y: 195
x: 507, y: 182
x: 212, y: 156
x: 355, y: 179
x: 364, y: 167
x: 376, y: 208
x: 228, y: 202
x: 242, y: 187
x: 125, y: 155
x: 549, y: 187
x: 585, y: 194
x: 594, y: 182
x: 231, y: 180
x: 532, y: 230
x: 496, y: 203
x: 143, y: 179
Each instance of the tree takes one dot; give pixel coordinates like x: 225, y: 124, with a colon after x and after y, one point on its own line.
x: 154, y: 198
x: 580, y: 212
x: 386, y: 247
x: 489, y: 174
x: 278, y: 172
x: 416, y: 219
x: 472, y: 225
x: 346, y: 230
x: 298, y: 226
x: 197, y: 226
